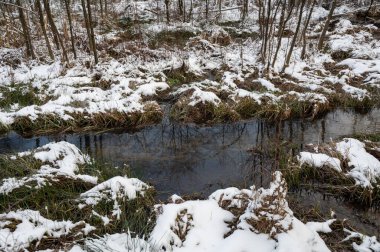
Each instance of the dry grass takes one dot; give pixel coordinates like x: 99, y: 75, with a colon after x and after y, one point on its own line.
x: 58, y: 200
x: 330, y: 181
x: 50, y: 123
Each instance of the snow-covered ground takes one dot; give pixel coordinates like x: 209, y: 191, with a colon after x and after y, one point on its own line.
x: 229, y: 219
x: 212, y: 68
x: 361, y: 165
x: 207, y: 72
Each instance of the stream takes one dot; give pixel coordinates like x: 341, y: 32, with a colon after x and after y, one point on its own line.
x: 188, y: 159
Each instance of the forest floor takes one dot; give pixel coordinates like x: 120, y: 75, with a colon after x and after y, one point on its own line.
x: 207, y: 73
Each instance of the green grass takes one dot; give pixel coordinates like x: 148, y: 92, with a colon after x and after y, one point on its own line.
x: 20, y: 167
x: 23, y: 94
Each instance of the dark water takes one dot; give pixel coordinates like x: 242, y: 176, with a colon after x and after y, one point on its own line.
x: 186, y: 159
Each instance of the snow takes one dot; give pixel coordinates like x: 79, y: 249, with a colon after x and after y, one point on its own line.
x: 33, y: 227
x: 57, y: 159
x: 323, y: 227
x: 268, y: 85
x: 319, y: 160
x: 114, y: 189
x: 202, y: 225
x: 200, y: 96
x: 369, y: 243
x: 123, y: 242
x: 365, y: 168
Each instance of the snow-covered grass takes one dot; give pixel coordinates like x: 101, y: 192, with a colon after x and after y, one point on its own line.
x: 349, y: 167
x: 118, y: 213
x: 233, y: 219
x: 190, y: 65
x: 368, y: 243
x: 46, y: 181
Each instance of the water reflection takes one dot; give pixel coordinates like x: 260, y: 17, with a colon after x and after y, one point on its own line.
x: 187, y: 158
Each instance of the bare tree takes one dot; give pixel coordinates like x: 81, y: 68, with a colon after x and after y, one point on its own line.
x: 167, y: 5
x: 54, y: 29
x: 42, y: 24
x: 68, y: 12
x: 92, y: 34
x: 26, y: 31
x: 290, y: 52
x: 324, y: 31
x: 305, y: 29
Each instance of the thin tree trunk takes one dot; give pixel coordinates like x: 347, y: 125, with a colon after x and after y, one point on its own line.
x: 167, y: 3
x: 324, y: 31
x: 282, y: 28
x: 92, y: 38
x: 101, y: 9
x: 191, y: 11
x: 85, y: 17
x: 271, y: 34
x: 288, y: 56
x: 206, y: 10
x: 54, y: 29
x: 51, y: 23
x: 305, y: 29
x: 67, y: 5
x: 42, y: 24
x: 266, y: 38
x: 26, y: 31
x: 180, y: 7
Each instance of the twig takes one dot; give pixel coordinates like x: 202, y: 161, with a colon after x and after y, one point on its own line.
x: 15, y: 5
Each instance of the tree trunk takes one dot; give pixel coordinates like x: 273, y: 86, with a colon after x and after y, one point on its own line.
x: 68, y: 11
x: 180, y: 7
x: 26, y: 31
x: 206, y: 10
x: 54, y: 29
x: 167, y: 3
x: 288, y: 56
x: 324, y: 31
x: 92, y: 38
x: 305, y: 29
x: 86, y: 22
x: 51, y: 23
x: 42, y: 24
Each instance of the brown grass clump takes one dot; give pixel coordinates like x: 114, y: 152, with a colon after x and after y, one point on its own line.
x: 219, y: 36
x: 264, y: 210
x: 183, y: 224
x: 327, y: 180
x: 203, y: 113
x: 3, y: 128
x: 247, y: 107
x: 271, y: 214
x: 49, y: 123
